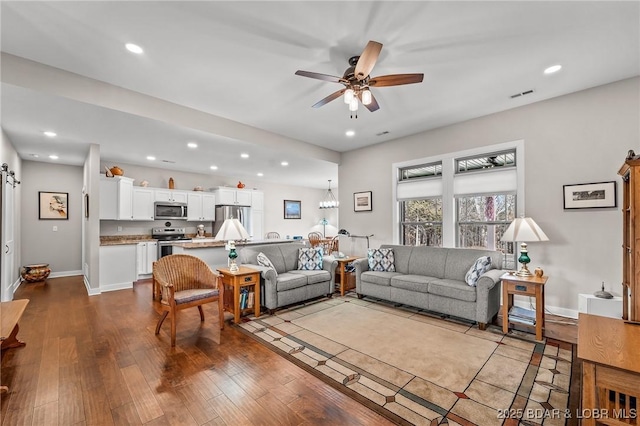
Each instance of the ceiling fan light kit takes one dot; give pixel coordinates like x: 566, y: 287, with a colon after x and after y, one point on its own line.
x: 357, y: 80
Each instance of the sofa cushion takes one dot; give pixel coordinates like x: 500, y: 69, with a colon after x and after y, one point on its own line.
x: 289, y: 281
x: 429, y: 261
x: 418, y: 283
x: 459, y: 260
x: 314, y: 277
x: 401, y: 256
x: 453, y: 289
x: 310, y: 259
x: 480, y: 266
x: 381, y: 260
x: 379, y: 278
x: 263, y: 260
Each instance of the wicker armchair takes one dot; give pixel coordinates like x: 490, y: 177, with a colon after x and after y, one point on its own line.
x: 186, y: 281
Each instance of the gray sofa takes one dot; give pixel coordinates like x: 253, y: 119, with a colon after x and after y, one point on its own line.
x: 290, y: 285
x: 433, y: 278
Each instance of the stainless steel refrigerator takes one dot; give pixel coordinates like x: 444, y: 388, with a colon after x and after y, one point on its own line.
x: 243, y: 214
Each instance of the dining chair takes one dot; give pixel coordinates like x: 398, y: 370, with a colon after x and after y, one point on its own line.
x: 314, y: 238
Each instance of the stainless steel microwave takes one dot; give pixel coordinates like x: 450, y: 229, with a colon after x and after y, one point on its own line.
x: 169, y: 210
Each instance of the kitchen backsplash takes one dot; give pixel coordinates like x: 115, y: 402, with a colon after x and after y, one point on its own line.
x: 119, y: 227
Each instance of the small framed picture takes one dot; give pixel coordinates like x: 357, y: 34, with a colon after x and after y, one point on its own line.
x: 590, y: 195
x: 362, y: 201
x: 292, y: 209
x: 53, y: 205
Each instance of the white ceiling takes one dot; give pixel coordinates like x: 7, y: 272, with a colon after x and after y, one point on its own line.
x: 237, y: 60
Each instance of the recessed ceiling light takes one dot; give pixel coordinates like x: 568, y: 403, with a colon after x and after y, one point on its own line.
x: 552, y: 69
x: 35, y: 155
x: 350, y: 133
x: 134, y: 48
x: 50, y: 134
x: 284, y: 163
x: 192, y: 145
x: 244, y: 155
x: 53, y: 157
x: 150, y: 157
x: 214, y: 167
x: 260, y: 174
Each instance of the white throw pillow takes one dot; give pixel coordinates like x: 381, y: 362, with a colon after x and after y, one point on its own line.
x: 481, y: 265
x: 263, y: 260
x: 310, y: 259
x: 381, y: 260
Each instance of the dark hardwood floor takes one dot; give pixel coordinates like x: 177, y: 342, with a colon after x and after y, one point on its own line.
x: 96, y: 361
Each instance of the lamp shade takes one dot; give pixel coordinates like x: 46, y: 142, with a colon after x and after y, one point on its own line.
x: 524, y: 229
x: 232, y: 229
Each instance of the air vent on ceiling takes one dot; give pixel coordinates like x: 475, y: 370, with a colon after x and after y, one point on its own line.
x: 526, y: 92
x: 386, y: 132
x: 168, y: 161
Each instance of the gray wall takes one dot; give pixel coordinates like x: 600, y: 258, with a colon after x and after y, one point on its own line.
x: 40, y: 244
x: 578, y: 138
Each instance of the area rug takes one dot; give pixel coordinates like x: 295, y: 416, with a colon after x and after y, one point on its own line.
x: 417, y: 369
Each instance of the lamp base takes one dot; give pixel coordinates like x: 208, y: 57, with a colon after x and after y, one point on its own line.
x: 524, y: 271
x: 233, y: 266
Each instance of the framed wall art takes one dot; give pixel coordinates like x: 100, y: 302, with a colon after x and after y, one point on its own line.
x: 362, y: 201
x: 292, y: 209
x: 590, y: 195
x: 53, y: 205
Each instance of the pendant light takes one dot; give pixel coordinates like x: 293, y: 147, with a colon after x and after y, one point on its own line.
x: 329, y: 201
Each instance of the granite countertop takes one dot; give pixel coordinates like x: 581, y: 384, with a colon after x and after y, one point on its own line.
x: 117, y: 240
x: 208, y: 243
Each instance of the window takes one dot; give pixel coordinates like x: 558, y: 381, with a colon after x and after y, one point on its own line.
x: 421, y: 171
x: 482, y: 220
x: 486, y: 161
x: 421, y: 222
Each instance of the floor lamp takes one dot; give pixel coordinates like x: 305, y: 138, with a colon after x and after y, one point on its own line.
x: 230, y: 231
x: 524, y: 229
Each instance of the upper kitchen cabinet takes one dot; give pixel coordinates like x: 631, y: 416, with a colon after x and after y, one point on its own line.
x: 116, y: 198
x: 201, y: 206
x: 232, y: 197
x: 142, y: 201
x: 171, y: 195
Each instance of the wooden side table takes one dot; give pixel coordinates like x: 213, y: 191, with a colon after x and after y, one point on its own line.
x: 340, y: 272
x: 245, y: 277
x: 525, y: 286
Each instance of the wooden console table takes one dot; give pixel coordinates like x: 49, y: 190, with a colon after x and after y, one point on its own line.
x: 610, y: 353
x: 344, y: 275
x: 10, y: 313
x: 245, y: 277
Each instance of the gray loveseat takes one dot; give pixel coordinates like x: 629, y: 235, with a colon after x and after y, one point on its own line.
x: 290, y: 285
x: 433, y: 278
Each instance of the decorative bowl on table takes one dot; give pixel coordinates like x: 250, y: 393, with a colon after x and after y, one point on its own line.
x: 198, y: 188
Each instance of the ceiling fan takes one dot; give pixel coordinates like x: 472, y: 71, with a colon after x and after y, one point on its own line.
x: 357, y: 81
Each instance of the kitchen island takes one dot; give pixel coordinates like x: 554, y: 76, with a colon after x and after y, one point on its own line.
x: 213, y: 252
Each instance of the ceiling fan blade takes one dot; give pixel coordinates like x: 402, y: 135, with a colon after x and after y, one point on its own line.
x: 395, y: 80
x: 373, y: 105
x: 331, y: 97
x: 367, y: 60
x: 319, y: 76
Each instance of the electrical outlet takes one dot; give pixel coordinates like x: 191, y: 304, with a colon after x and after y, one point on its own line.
x: 55, y: 229
x: 119, y: 228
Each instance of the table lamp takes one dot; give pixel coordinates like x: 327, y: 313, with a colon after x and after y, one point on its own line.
x: 232, y: 230
x: 524, y: 229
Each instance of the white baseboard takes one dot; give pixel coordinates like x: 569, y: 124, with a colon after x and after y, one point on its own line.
x: 90, y: 291
x: 555, y: 310
x: 65, y: 274
x: 15, y: 286
x: 116, y: 286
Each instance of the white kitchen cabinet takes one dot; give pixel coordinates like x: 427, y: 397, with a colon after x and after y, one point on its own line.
x: 232, y: 197
x: 116, y: 201
x: 147, y: 253
x: 257, y: 215
x: 171, y: 195
x: 117, y: 267
x: 142, y: 204
x: 201, y: 206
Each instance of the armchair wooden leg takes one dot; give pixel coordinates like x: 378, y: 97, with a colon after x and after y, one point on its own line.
x: 482, y: 326
x: 173, y: 328
x: 201, y: 313
x: 160, y: 321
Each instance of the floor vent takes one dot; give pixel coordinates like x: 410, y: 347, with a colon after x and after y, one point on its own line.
x: 526, y: 92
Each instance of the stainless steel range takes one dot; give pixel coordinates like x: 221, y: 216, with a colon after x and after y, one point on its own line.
x: 166, y: 237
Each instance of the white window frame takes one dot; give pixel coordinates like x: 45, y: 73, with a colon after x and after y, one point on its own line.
x: 448, y: 173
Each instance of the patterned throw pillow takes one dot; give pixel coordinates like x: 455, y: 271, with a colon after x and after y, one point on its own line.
x: 482, y: 265
x: 381, y: 260
x: 310, y: 259
x: 263, y: 260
